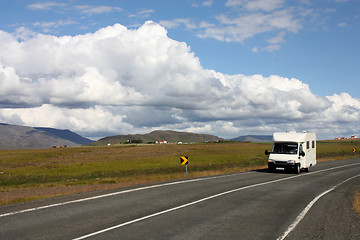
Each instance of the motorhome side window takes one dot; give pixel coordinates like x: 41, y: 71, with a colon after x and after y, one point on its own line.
x: 313, y: 144
x: 307, y: 144
x: 285, y: 148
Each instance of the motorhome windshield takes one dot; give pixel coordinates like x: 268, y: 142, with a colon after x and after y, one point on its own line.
x: 285, y: 148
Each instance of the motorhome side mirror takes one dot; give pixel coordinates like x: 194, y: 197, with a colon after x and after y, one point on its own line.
x: 267, y: 152
x: 302, y: 153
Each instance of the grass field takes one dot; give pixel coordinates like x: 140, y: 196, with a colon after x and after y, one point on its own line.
x: 34, y: 174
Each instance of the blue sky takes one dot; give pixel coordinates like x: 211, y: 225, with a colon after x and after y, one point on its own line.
x: 323, y: 51
x: 304, y: 49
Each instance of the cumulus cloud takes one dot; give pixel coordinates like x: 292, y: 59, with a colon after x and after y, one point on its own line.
x: 119, y: 81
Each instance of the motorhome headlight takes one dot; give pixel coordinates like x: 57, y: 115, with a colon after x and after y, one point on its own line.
x: 271, y: 161
x: 291, y: 162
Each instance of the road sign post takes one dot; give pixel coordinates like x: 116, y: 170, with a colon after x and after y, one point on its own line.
x: 354, y: 150
x: 184, y: 160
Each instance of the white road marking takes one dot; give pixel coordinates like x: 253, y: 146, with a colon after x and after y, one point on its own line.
x: 144, y: 188
x: 182, y: 206
x: 202, y: 200
x: 113, y: 194
x: 162, y: 185
x: 307, y: 208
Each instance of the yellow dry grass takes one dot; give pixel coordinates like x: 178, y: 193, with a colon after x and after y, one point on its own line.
x: 18, y: 195
x: 357, y: 202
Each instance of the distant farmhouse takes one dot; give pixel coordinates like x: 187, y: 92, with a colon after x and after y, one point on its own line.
x: 352, y: 137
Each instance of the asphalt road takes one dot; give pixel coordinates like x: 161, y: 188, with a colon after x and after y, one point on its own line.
x: 250, y: 205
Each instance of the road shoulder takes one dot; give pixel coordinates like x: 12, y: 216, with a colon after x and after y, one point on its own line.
x: 332, y: 216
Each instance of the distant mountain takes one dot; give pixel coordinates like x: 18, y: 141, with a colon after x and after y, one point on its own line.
x: 23, y: 137
x: 159, y: 135
x: 65, y: 134
x: 254, y: 138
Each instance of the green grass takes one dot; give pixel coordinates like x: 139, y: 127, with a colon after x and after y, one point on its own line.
x: 89, y: 163
x: 337, y: 149
x: 122, y: 165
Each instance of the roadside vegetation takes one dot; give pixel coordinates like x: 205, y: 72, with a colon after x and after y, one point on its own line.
x: 34, y: 174
x: 357, y: 202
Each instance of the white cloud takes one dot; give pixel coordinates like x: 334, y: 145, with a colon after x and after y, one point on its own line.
x: 272, y: 47
x: 277, y: 39
x: 239, y: 26
x: 254, y: 5
x: 208, y: 3
x: 342, y: 24
x: 246, y: 19
x: 275, y: 42
x: 248, y: 25
x: 144, y: 13
x: 255, y: 49
x: 45, y: 5
x: 49, y: 26
x: 92, y: 9
x: 188, y: 23
x: 344, y: 108
x: 118, y: 80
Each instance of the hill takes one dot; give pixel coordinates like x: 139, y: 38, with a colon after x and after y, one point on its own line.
x: 23, y: 137
x: 254, y: 138
x: 65, y: 134
x: 159, y: 135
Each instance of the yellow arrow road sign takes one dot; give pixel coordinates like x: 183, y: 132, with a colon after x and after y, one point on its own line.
x: 184, y: 160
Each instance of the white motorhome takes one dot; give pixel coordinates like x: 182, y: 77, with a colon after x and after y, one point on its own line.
x: 292, y: 151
